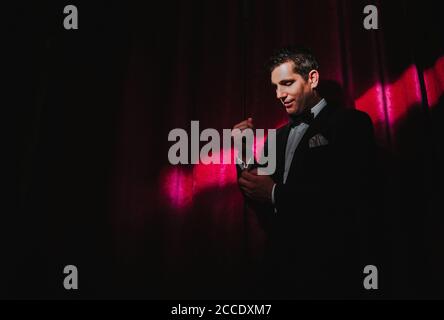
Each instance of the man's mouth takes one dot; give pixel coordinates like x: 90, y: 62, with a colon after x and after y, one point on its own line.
x: 288, y: 104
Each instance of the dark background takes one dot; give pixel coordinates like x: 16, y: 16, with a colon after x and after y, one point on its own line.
x: 91, y: 108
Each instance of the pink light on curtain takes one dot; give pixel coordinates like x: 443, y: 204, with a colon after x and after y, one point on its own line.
x: 398, y: 97
x: 402, y: 94
x: 177, y: 186
x: 372, y: 102
x: 434, y: 82
x: 213, y: 176
x: 181, y: 184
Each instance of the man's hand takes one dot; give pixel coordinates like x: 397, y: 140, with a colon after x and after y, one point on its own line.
x: 246, y: 124
x: 256, y: 187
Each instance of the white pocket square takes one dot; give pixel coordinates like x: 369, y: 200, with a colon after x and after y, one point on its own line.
x: 317, y: 141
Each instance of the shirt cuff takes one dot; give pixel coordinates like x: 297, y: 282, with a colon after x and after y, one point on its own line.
x: 272, y: 198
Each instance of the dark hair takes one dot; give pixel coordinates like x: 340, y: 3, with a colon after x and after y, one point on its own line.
x: 303, y: 58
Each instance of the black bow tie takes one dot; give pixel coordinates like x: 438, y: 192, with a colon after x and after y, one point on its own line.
x: 305, y: 117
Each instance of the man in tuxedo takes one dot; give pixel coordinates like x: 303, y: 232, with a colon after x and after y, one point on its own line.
x: 317, y: 207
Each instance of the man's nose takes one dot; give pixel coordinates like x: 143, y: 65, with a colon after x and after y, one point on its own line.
x: 280, y: 94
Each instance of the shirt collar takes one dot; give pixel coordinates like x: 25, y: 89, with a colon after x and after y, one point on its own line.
x: 318, y: 107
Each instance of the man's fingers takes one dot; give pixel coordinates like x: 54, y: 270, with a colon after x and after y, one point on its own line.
x: 245, y: 124
x: 241, y: 125
x: 245, y: 183
x: 248, y: 176
x: 245, y: 190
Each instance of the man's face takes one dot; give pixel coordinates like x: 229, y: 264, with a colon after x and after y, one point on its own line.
x: 292, y: 89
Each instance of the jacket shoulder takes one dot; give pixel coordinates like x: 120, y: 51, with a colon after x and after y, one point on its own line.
x: 351, y: 117
x: 353, y: 124
x: 350, y: 114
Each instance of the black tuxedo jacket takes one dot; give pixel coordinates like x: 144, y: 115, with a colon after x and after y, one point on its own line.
x: 320, y: 236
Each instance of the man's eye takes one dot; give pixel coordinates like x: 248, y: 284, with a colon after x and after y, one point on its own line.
x: 288, y: 83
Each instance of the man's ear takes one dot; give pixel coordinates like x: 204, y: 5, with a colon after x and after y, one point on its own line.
x: 313, y: 78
